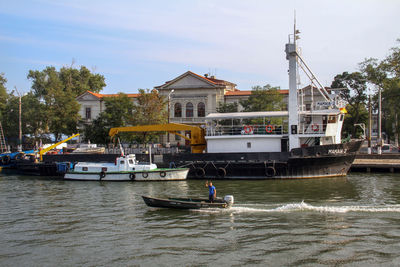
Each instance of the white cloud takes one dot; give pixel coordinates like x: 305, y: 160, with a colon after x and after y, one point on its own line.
x: 239, y: 36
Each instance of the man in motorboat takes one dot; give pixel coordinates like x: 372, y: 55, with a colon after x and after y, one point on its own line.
x: 212, y: 191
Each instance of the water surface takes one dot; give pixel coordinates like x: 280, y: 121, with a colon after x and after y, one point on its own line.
x: 352, y: 221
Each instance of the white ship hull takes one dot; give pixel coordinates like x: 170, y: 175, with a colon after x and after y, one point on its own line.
x: 151, y: 175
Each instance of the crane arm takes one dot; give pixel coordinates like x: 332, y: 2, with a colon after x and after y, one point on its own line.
x: 197, y: 140
x: 44, y: 151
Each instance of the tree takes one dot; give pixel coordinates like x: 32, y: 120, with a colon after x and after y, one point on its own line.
x: 227, y: 107
x: 266, y: 98
x: 3, y: 95
x: 354, y: 93
x: 150, y: 108
x: 118, y: 113
x: 58, y: 90
x: 385, y: 76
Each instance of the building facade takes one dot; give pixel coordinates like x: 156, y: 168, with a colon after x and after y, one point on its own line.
x: 191, y: 97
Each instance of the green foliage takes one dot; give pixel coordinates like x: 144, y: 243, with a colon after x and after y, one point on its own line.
x: 97, y: 131
x: 33, y: 118
x: 266, y: 98
x: 227, y: 107
x: 385, y: 76
x: 354, y: 92
x: 357, y: 113
x: 118, y: 113
x: 150, y: 108
x: 3, y: 95
x: 58, y: 90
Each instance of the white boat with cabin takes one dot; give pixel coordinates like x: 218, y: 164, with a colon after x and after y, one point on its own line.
x: 125, y: 168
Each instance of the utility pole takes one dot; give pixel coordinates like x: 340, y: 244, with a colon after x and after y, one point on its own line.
x: 380, y: 141
x: 369, y: 124
x: 19, y: 120
x: 169, y: 100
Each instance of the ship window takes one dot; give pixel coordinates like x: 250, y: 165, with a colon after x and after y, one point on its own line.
x: 332, y: 119
x: 189, y: 110
x: 248, y: 144
x: 84, y: 168
x: 201, y: 110
x: 341, y: 117
x: 178, y: 110
x: 130, y: 161
x: 122, y: 162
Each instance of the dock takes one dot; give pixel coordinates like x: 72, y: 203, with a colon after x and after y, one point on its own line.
x: 376, y: 163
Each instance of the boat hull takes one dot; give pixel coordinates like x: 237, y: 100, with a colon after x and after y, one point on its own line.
x: 151, y: 175
x: 184, y: 203
x: 311, y: 162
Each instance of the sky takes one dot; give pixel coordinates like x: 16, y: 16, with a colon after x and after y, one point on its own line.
x: 141, y: 44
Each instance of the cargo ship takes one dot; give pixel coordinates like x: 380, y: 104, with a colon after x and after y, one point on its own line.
x: 301, y: 142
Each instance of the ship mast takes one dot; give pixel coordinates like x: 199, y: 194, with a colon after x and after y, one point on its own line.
x: 291, y: 55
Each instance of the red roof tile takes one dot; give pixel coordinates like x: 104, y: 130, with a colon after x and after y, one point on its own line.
x: 242, y: 93
x: 112, y: 95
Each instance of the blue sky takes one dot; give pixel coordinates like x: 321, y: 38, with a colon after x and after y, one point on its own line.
x: 142, y: 44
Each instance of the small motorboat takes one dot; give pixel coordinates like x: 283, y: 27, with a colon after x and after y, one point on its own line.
x: 125, y: 168
x: 188, y: 203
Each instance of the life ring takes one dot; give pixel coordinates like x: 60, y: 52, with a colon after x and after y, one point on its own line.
x: 221, y: 172
x: 270, y: 171
x: 6, y: 159
x: 315, y: 127
x: 200, y: 172
x: 269, y: 128
x: 102, y: 175
x: 132, y: 176
x: 163, y: 174
x: 248, y: 129
x: 145, y: 174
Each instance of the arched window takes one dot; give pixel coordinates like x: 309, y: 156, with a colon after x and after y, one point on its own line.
x: 201, y: 110
x: 189, y: 110
x: 177, y: 110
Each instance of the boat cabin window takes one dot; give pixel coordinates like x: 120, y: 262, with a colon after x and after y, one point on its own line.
x: 248, y: 144
x: 130, y: 161
x: 332, y: 119
x: 122, y: 162
x: 84, y: 168
x: 341, y: 117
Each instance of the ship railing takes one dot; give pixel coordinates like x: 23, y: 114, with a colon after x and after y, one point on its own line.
x: 312, y: 128
x: 270, y: 129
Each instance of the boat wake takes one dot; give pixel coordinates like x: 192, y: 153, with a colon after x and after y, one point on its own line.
x: 302, y: 206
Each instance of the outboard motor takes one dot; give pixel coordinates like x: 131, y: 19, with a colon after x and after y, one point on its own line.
x: 229, y: 199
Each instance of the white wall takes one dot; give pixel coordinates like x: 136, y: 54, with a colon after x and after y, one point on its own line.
x: 218, y: 144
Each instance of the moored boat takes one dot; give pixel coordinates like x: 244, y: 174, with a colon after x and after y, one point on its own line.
x: 188, y: 203
x: 303, y: 141
x: 125, y: 168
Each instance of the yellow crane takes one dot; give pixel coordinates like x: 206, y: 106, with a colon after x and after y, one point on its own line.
x: 47, y: 149
x: 197, y: 140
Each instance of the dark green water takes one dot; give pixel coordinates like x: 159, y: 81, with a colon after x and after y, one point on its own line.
x: 351, y: 221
